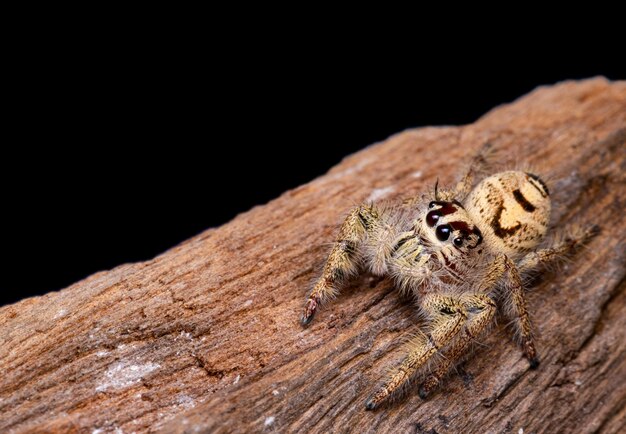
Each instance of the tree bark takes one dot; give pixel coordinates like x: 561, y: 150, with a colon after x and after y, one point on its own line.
x: 206, y: 338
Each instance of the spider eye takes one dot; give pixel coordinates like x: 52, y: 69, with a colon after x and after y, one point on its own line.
x: 431, y: 205
x: 432, y: 217
x: 458, y: 241
x: 443, y: 232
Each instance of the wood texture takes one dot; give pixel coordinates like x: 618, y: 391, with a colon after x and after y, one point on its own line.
x: 205, y: 337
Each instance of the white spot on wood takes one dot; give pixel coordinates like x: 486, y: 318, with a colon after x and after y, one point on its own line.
x: 521, y: 431
x: 578, y: 383
x: 379, y: 193
x: 121, y: 375
x: 118, y: 430
x: 102, y: 353
x: 60, y: 314
x: 237, y: 379
x: 356, y: 168
x: 247, y: 303
x: 97, y: 431
x: 275, y: 392
x: 269, y: 420
x: 417, y: 174
x: 178, y: 286
x: 186, y: 401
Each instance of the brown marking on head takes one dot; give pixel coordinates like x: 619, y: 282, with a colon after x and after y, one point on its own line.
x: 466, y: 231
x: 457, y: 203
x: 446, y: 208
x: 461, y: 226
x: 479, y: 234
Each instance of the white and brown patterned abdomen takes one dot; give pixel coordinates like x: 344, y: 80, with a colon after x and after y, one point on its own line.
x: 512, y: 210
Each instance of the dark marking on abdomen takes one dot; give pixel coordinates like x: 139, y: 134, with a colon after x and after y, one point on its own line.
x: 519, y: 197
x: 498, y: 230
x: 543, y: 185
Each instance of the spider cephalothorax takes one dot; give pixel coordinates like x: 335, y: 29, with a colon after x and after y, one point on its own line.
x: 461, y: 254
x: 450, y: 221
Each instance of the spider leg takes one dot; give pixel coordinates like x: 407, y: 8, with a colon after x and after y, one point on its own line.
x: 563, y: 247
x: 480, y: 310
x: 515, y: 304
x: 447, y: 317
x: 514, y: 293
x: 343, y: 259
x: 478, y: 164
x: 503, y: 269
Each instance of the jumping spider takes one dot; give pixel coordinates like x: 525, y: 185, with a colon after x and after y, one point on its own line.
x: 461, y: 254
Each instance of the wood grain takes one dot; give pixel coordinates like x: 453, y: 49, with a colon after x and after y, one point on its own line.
x: 205, y: 337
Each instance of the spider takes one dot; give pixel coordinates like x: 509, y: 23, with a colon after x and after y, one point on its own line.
x: 461, y: 254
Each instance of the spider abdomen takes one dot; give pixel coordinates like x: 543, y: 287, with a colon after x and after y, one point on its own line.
x: 512, y: 210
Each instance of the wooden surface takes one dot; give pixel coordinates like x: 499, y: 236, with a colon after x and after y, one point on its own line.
x: 205, y: 337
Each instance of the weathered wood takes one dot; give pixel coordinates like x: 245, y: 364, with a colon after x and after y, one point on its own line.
x: 205, y: 338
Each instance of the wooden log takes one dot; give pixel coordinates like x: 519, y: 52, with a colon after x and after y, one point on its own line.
x: 205, y: 337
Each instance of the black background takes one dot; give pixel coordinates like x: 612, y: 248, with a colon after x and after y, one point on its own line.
x: 108, y: 161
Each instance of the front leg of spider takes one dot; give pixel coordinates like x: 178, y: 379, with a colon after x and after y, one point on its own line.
x: 447, y: 316
x: 343, y: 260
x: 481, y: 310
